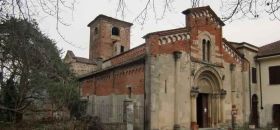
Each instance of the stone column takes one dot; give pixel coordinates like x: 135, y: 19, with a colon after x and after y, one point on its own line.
x: 128, y: 114
x: 193, y: 109
x: 212, y: 110
x: 194, y: 125
x: 177, y: 55
x: 219, y: 109
x: 233, y: 88
x: 194, y: 93
x: 222, y: 110
x: 233, y: 93
x: 222, y: 98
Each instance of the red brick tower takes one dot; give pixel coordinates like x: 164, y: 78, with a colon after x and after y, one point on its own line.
x: 108, y: 37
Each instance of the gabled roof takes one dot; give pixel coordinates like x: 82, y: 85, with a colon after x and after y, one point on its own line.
x: 239, y: 45
x: 84, y: 60
x: 167, y: 32
x: 202, y: 10
x: 70, y: 53
x: 101, y: 16
x: 79, y: 59
x: 269, y: 49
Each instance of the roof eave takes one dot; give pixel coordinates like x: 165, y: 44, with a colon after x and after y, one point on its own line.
x: 268, y: 56
x: 107, y: 17
x: 85, y: 76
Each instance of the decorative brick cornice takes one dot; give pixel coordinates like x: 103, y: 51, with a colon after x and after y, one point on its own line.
x: 204, y: 11
x: 173, y: 38
x: 232, y: 52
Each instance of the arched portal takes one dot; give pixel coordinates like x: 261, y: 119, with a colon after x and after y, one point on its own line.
x: 208, y: 101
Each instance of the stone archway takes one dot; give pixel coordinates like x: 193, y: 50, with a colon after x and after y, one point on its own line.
x: 207, y: 104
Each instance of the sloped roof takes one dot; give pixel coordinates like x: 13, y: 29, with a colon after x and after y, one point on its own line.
x: 270, y: 49
x: 166, y: 32
x: 84, y: 60
x: 70, y: 53
x: 101, y: 16
x: 238, y: 45
x: 203, y: 9
x: 79, y: 59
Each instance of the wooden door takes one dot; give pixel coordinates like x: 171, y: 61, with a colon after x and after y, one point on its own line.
x: 202, y: 110
x: 255, y: 113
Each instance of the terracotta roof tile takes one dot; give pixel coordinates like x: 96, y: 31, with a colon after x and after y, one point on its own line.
x: 84, y: 60
x: 238, y: 45
x: 270, y: 49
x: 101, y: 16
x: 167, y: 32
x: 79, y: 59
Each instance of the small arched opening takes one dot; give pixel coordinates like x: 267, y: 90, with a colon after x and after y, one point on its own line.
x: 115, y: 31
x: 95, y: 30
x: 206, y: 50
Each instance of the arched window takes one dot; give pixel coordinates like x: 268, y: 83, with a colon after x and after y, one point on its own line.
x: 206, y: 50
x: 115, y: 31
x: 95, y: 30
x: 203, y: 49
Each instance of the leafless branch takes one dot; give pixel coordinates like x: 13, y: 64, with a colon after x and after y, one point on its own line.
x: 29, y: 9
x: 232, y: 9
x: 121, y: 8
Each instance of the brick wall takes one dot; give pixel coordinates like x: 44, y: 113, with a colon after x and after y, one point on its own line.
x: 129, y: 55
x: 81, y: 68
x: 116, y: 81
x: 102, y: 43
x: 205, y: 25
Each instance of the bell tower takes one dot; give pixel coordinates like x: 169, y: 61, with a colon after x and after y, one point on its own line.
x: 206, y: 34
x: 108, y: 37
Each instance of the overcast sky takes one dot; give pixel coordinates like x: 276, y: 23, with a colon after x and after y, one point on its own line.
x: 257, y: 32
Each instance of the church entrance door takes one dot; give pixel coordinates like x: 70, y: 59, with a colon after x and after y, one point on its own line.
x: 202, y: 111
x: 209, y: 108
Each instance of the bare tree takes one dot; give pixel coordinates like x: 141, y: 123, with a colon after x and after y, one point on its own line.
x: 231, y: 9
x: 149, y: 5
x: 33, y: 9
x: 251, y: 9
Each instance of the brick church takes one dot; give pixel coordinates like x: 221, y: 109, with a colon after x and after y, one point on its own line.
x: 183, y: 78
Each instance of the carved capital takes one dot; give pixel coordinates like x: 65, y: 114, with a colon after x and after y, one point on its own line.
x: 194, y: 92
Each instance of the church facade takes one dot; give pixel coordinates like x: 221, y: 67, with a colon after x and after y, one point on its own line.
x: 183, y: 78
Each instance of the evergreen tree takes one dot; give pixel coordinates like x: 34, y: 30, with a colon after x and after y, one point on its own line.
x: 32, y: 70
